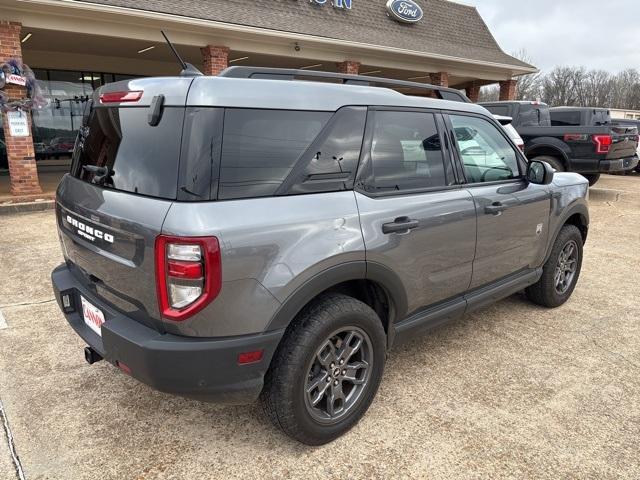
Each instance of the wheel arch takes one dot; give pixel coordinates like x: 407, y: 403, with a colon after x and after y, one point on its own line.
x: 372, y: 283
x: 550, y: 147
x: 577, y: 215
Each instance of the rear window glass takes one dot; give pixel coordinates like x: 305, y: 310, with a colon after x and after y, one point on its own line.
x: 118, y: 149
x: 565, y: 119
x: 498, y: 109
x: 533, y: 116
x: 261, y: 147
x: 601, y: 117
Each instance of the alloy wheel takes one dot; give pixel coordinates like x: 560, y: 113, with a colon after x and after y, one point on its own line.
x: 338, y: 374
x: 566, y: 267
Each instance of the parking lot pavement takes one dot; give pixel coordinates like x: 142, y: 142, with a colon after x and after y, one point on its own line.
x: 511, y: 391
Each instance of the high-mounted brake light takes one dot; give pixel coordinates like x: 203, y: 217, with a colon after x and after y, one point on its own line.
x: 603, y: 143
x: 121, y: 97
x: 188, y: 274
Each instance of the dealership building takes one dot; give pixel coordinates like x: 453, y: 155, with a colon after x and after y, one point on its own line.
x: 74, y: 46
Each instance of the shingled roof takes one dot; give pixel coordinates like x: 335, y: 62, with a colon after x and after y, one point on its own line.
x: 448, y: 28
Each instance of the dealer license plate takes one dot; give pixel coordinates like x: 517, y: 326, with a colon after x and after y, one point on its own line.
x: 92, y: 315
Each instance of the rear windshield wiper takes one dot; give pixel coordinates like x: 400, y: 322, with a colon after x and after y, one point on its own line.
x: 100, y: 174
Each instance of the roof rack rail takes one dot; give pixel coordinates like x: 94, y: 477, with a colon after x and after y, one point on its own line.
x: 268, y: 73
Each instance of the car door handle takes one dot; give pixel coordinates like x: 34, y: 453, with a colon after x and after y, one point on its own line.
x: 400, y: 225
x: 495, y: 208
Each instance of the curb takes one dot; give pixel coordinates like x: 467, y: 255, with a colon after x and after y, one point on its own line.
x: 12, y: 208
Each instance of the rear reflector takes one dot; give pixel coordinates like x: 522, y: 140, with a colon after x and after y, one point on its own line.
x: 120, y: 97
x: 188, y: 274
x: 125, y: 368
x: 603, y: 143
x: 250, y: 357
x: 192, y: 270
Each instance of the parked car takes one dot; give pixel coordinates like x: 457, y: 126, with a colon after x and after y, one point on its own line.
x: 228, y: 247
x: 507, y: 124
x: 60, y: 146
x: 40, y: 149
x: 633, y: 123
x: 572, y: 139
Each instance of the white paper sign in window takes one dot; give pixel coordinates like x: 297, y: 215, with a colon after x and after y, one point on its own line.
x: 18, y: 124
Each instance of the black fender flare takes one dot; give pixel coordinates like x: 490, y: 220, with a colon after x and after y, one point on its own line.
x: 358, y: 270
x: 576, y: 208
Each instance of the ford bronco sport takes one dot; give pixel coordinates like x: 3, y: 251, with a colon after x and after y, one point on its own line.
x: 262, y: 235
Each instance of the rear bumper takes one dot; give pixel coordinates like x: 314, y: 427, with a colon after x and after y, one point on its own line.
x: 201, y: 368
x: 592, y: 165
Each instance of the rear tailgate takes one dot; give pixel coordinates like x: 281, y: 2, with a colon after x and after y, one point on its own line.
x: 123, y: 180
x: 108, y: 241
x: 624, y: 142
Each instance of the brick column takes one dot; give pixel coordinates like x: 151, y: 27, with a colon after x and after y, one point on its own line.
x: 508, y: 90
x: 214, y: 59
x: 350, y: 67
x: 473, y: 91
x: 20, y: 152
x: 440, y: 79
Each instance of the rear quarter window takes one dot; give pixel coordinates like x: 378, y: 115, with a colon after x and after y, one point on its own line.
x: 261, y: 147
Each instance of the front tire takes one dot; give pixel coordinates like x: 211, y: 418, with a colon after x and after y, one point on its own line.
x: 561, y: 271
x: 555, y: 162
x: 326, y: 371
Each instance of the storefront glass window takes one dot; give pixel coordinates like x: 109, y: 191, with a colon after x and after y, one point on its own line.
x: 67, y: 92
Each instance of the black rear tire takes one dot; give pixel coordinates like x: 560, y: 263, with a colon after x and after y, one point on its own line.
x: 593, y: 178
x: 284, y: 396
x: 555, y: 162
x: 546, y: 292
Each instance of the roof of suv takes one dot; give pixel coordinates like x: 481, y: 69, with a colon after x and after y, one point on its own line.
x: 275, y: 94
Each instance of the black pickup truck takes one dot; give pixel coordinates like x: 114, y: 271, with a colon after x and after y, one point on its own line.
x: 573, y: 139
x: 631, y: 123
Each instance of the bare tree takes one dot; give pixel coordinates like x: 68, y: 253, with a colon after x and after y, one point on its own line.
x: 574, y: 86
x: 489, y: 93
x: 529, y: 86
x: 561, y: 86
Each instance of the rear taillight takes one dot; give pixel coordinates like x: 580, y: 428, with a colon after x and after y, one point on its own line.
x: 121, y: 97
x: 603, y: 143
x: 188, y: 274
x: 521, y: 147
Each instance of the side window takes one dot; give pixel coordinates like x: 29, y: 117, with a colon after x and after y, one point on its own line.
x: 261, y: 147
x: 331, y: 162
x: 486, y: 154
x: 406, y: 153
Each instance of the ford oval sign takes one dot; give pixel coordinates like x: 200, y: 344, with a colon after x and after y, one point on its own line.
x: 406, y: 11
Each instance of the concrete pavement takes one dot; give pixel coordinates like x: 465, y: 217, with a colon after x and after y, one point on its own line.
x: 512, y: 391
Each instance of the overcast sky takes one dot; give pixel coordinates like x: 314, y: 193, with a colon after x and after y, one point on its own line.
x: 594, y: 33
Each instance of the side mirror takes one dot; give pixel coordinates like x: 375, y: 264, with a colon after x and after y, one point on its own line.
x: 540, y: 173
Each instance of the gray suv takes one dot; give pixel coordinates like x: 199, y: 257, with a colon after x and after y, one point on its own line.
x: 262, y: 235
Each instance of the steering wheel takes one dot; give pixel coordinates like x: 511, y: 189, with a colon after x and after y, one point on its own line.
x: 500, y: 169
